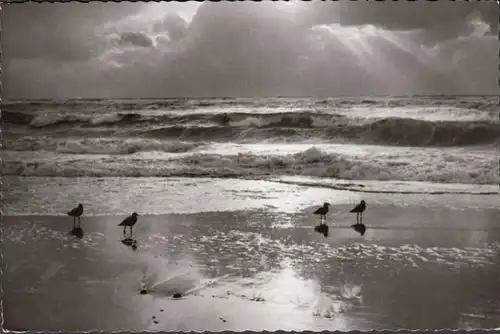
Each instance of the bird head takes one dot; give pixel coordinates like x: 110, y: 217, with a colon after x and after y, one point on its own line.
x: 363, y: 202
x: 326, y: 204
x: 80, y: 205
x: 135, y: 214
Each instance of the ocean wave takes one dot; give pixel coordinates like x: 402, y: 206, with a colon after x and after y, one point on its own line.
x: 388, y: 131
x: 99, y: 145
x: 484, y: 103
x: 303, y: 119
x: 311, y: 162
x: 413, y: 132
x: 270, y: 119
x: 43, y: 120
x: 279, y: 126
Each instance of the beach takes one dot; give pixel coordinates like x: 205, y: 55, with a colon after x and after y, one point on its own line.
x: 225, y: 190
x: 272, y: 166
x: 422, y: 263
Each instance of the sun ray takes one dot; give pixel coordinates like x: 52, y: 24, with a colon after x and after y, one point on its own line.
x: 363, y: 44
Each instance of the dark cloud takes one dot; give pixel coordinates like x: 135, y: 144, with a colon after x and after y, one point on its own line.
x: 399, y: 15
x: 435, y: 21
x: 254, y: 48
x: 58, y: 31
x: 137, y: 39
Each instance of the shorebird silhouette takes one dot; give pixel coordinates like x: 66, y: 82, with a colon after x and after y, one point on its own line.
x: 322, y: 212
x: 130, y: 222
x: 359, y: 209
x: 76, y: 213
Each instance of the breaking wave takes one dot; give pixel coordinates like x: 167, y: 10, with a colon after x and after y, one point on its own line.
x: 290, y: 126
x: 312, y: 162
x: 237, y: 119
x: 99, y: 145
x: 116, y: 137
x: 405, y: 121
x: 389, y: 131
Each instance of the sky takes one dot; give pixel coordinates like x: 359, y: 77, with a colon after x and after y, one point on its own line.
x: 245, y: 49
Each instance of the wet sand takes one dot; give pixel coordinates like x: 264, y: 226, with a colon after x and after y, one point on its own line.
x: 416, y: 267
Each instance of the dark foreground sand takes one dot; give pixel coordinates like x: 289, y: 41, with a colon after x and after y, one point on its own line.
x: 414, y: 268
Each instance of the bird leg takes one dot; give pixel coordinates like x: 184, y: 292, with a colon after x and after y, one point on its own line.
x: 357, y: 217
x: 361, y: 218
x: 131, y: 233
x: 74, y: 222
x: 124, y: 227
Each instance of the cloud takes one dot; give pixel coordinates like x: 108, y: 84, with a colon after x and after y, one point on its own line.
x: 62, y: 32
x: 244, y: 48
x: 173, y: 24
x: 432, y: 16
x: 137, y: 39
x: 250, y: 48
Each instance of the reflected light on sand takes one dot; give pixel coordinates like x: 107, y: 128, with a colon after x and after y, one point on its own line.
x: 289, y: 289
x: 286, y: 292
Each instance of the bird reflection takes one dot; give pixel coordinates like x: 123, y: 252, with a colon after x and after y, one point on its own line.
x: 322, y: 229
x: 77, y: 232
x: 129, y: 242
x: 360, y: 228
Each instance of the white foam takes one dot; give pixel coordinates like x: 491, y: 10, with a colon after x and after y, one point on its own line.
x: 408, y: 187
x: 433, y: 114
x: 476, y: 166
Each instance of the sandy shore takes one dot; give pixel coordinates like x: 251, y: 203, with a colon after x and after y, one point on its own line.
x: 414, y: 268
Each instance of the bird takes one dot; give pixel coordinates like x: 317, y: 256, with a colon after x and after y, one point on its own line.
x: 76, y: 213
x: 359, y: 209
x: 130, y: 222
x: 322, y: 212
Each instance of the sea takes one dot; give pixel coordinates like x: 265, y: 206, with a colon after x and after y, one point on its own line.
x: 229, y: 185
x: 388, y: 144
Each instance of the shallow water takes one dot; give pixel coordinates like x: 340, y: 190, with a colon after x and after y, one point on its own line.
x: 116, y: 196
x: 416, y: 267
